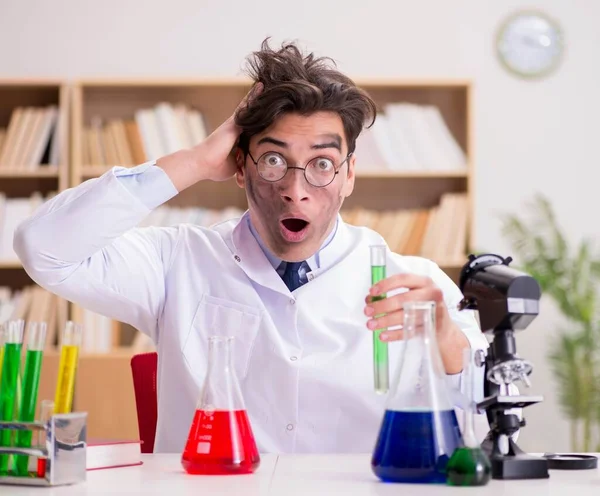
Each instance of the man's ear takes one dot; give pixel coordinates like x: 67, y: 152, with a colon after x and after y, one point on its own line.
x: 239, y: 173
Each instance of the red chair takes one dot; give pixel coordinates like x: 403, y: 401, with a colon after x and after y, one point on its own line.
x: 143, y: 369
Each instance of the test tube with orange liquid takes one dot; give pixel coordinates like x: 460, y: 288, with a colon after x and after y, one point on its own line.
x: 67, y: 368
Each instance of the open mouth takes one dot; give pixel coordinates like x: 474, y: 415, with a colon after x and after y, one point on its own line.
x: 294, y: 225
x: 294, y: 230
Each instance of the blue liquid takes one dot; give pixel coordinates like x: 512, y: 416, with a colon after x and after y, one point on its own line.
x: 415, y: 446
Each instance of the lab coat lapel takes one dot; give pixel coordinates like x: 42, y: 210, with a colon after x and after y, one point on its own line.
x: 250, y: 257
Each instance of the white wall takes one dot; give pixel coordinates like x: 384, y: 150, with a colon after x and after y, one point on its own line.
x: 530, y: 136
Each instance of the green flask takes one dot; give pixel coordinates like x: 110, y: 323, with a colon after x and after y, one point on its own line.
x: 468, y: 465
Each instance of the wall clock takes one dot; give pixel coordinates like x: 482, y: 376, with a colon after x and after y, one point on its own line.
x: 530, y: 44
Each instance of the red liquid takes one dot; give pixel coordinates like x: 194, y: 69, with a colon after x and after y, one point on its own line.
x: 220, y: 442
x: 41, y: 467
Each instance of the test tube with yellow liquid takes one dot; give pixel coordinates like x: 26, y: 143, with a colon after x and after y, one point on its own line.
x: 67, y: 368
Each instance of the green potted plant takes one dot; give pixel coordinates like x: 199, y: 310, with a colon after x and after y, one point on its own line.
x: 570, y: 276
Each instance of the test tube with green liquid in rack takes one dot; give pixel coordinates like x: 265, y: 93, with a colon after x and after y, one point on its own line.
x: 380, y: 349
x: 36, y: 338
x: 2, y: 339
x: 8, y: 387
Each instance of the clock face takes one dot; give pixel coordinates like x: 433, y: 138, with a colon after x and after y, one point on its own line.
x: 530, y: 44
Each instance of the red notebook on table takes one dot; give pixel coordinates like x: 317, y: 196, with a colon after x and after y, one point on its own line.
x: 113, y: 454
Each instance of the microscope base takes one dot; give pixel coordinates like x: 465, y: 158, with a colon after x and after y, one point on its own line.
x: 519, y: 467
x: 516, y: 463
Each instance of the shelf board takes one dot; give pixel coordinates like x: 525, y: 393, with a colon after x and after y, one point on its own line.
x: 451, y: 264
x: 425, y: 174
x: 393, y: 82
x: 89, y: 171
x: 10, y: 264
x: 120, y: 352
x: 28, y: 173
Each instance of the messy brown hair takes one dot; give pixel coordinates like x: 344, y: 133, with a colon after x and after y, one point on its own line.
x: 303, y: 84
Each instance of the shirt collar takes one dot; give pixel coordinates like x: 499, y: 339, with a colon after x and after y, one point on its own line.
x: 314, y: 262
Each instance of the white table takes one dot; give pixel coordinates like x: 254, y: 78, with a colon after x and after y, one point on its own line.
x: 290, y: 475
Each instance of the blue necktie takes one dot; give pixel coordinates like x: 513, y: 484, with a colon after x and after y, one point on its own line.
x: 291, y: 276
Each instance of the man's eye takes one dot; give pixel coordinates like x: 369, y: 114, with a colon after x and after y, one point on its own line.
x: 324, y: 165
x: 273, y: 160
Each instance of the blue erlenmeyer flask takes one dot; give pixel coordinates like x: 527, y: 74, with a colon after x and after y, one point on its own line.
x: 419, y: 431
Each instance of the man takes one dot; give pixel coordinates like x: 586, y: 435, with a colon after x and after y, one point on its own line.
x: 289, y: 279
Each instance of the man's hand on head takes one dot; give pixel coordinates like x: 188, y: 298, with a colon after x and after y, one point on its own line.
x: 214, y: 158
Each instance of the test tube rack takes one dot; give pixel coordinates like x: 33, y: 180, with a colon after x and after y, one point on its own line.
x: 64, y: 450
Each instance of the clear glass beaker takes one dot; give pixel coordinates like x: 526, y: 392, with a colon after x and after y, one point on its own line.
x: 220, y: 439
x: 419, y: 431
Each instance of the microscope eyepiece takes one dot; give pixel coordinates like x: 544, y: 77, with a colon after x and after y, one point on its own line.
x: 504, y: 297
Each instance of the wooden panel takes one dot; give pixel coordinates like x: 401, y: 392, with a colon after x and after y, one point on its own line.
x: 20, y: 187
x: 47, y: 379
x: 215, y: 102
x: 377, y: 194
x: 14, y: 277
x: 104, y: 389
x: 12, y: 96
x: 451, y: 100
x: 212, y: 194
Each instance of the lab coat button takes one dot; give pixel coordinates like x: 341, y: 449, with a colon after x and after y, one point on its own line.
x: 290, y: 427
x: 293, y: 358
x: 292, y: 301
x: 237, y: 259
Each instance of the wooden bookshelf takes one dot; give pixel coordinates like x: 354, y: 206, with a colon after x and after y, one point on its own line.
x: 26, y: 171
x: 26, y: 147
x: 378, y: 188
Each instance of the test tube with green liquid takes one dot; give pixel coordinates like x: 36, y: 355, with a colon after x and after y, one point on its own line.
x: 2, y: 340
x: 36, y: 338
x: 8, y: 387
x: 380, y: 349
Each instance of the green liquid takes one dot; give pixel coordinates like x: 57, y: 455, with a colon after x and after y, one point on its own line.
x: 380, y: 349
x: 8, y: 392
x: 468, y: 467
x: 30, y: 384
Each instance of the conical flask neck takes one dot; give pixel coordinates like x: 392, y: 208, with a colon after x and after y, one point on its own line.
x: 221, y: 390
x: 420, y: 381
x: 219, y: 356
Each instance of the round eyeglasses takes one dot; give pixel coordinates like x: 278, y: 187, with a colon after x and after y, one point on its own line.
x: 319, y: 172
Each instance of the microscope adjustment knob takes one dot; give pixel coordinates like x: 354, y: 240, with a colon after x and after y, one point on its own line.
x: 479, y: 358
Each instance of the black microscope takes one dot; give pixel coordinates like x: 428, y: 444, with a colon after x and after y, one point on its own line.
x: 507, y: 301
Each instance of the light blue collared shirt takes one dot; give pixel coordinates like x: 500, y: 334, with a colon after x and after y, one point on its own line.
x: 313, y: 263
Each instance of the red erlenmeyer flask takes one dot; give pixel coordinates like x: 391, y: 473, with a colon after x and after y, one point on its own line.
x: 220, y: 439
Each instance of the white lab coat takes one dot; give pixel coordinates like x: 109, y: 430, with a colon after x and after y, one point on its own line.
x: 303, y: 359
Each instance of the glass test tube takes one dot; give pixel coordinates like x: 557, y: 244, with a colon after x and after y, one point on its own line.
x: 380, y: 349
x: 67, y: 368
x: 2, y: 340
x: 36, y: 339
x: 46, y: 410
x: 8, y: 388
